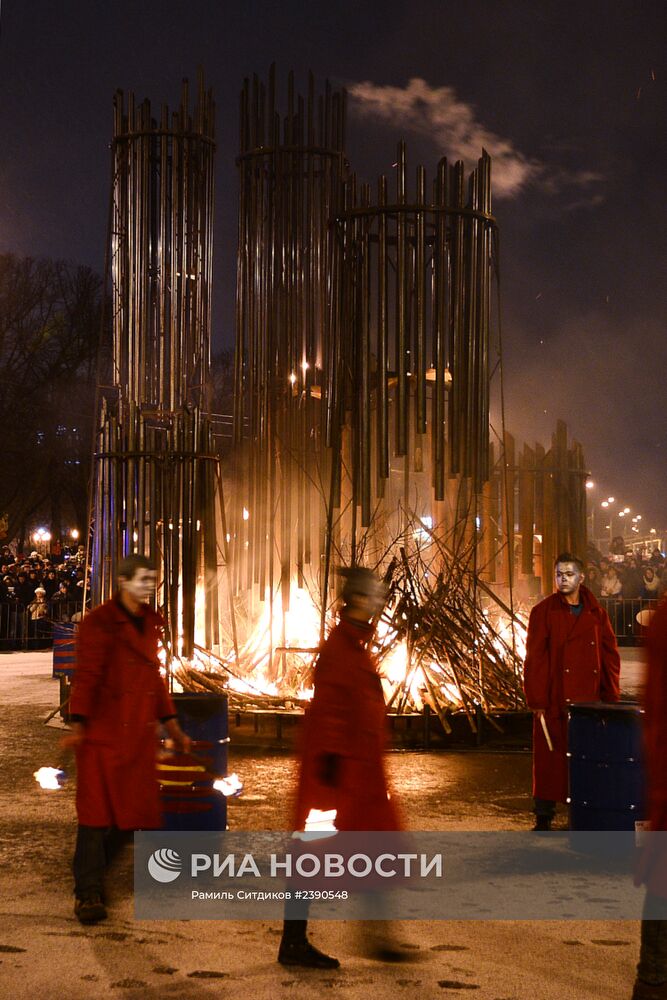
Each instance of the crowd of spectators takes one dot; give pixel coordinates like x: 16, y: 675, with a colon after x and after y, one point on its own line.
x: 626, y: 582
x: 36, y: 591
x: 632, y: 575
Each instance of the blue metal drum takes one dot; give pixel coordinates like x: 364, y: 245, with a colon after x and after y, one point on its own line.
x: 189, y: 801
x: 606, y: 771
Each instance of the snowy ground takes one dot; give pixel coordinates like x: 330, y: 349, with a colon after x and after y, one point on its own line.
x: 45, y: 953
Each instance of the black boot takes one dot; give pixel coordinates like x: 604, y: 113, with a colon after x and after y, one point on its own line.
x: 296, y: 949
x: 542, y: 823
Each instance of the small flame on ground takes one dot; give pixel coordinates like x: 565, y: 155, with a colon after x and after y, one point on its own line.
x: 50, y: 777
x: 320, y: 824
x: 229, y: 786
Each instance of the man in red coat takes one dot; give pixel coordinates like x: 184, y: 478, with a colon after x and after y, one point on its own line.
x: 571, y: 656
x: 344, y: 737
x: 118, y: 697
x: 651, y: 983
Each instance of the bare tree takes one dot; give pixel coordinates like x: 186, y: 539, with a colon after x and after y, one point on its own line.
x: 50, y: 315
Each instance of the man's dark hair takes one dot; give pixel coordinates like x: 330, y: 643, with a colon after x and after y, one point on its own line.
x: 569, y: 557
x: 128, y: 566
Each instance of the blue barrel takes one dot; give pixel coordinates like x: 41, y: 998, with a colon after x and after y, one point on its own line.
x: 607, y: 785
x: 189, y: 801
x: 64, y: 649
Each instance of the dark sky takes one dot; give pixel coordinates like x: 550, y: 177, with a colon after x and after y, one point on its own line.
x: 570, y: 98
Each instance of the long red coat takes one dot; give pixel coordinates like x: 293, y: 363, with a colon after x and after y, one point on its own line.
x: 118, y: 688
x: 569, y: 659
x: 653, y: 867
x: 347, y: 717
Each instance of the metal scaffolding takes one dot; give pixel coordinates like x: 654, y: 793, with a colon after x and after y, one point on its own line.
x: 156, y: 471
x: 356, y: 312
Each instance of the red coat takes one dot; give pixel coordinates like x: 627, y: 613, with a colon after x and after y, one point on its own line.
x: 569, y: 659
x: 653, y: 865
x: 347, y: 717
x: 117, y: 687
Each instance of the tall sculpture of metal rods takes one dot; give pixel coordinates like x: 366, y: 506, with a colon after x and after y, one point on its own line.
x: 156, y: 472
x: 291, y: 170
x: 412, y: 340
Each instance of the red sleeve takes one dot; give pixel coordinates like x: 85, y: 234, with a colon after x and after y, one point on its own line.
x: 332, y: 706
x: 91, y: 654
x: 610, y: 661
x: 536, y: 665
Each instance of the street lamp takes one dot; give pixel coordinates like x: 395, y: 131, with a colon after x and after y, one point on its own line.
x: 41, y: 539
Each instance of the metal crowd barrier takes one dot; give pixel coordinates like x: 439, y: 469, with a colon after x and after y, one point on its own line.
x: 623, y: 611
x: 19, y: 631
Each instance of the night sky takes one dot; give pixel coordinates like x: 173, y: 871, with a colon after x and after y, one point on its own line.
x: 569, y: 98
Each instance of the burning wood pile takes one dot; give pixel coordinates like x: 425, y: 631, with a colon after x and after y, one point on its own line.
x: 445, y: 639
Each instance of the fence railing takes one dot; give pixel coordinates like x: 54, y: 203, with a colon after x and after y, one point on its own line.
x: 20, y: 631
x: 623, y: 612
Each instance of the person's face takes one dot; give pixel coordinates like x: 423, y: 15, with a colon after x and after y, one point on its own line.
x: 364, y: 607
x: 142, y: 585
x: 568, y: 577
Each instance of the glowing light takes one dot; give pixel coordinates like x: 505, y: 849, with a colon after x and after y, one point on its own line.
x: 421, y: 532
x: 231, y: 786
x: 51, y: 778
x: 321, y: 821
x: 280, y: 671
x: 292, y: 378
x: 200, y: 614
x: 74, y: 533
x: 305, y: 366
x: 246, y: 514
x: 589, y: 484
x: 431, y: 376
x: 452, y: 693
x: 605, y: 503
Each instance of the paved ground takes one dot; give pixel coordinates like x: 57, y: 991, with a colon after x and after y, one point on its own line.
x: 45, y: 953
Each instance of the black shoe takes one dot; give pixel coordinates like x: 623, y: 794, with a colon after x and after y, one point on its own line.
x: 305, y: 954
x: 91, y: 909
x: 542, y: 824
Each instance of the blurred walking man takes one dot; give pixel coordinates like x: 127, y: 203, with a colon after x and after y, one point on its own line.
x: 342, y: 766
x: 118, y: 698
x: 571, y: 657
